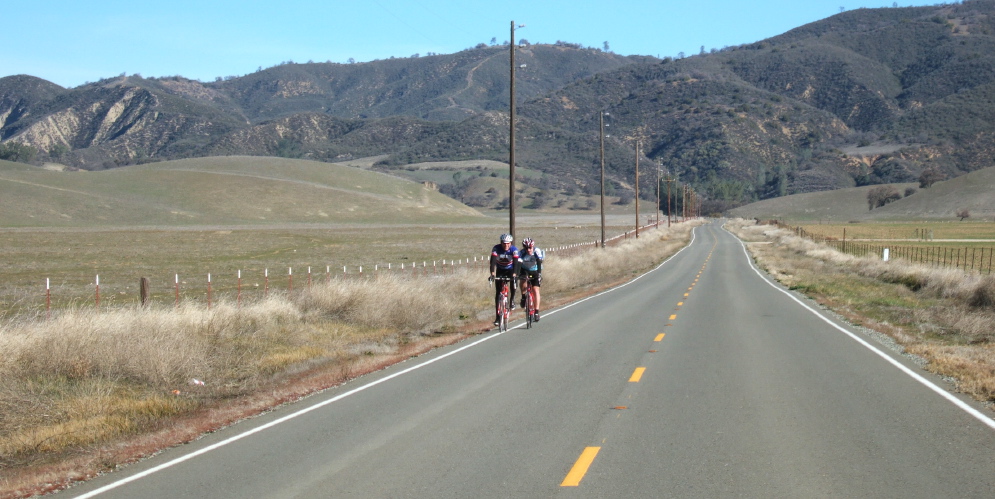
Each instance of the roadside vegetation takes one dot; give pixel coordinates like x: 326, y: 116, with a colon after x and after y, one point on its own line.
x: 943, y: 317
x: 92, y: 388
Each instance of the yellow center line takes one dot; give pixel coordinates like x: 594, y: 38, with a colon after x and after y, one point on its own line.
x: 659, y: 337
x: 672, y: 317
x: 580, y: 467
x: 685, y: 295
x: 637, y: 375
x: 680, y: 304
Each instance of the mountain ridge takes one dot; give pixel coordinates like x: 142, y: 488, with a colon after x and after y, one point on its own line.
x: 755, y: 121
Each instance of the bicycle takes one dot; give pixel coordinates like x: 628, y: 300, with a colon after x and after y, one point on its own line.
x: 501, y: 305
x: 528, y: 291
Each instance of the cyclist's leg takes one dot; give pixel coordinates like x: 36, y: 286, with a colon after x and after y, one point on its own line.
x: 536, y: 286
x: 497, y: 302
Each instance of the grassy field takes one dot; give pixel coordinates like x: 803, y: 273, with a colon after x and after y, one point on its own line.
x: 911, y: 230
x: 218, y: 191
x: 71, y: 259
x: 941, y: 202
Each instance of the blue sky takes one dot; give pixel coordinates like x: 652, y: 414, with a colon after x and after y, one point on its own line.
x: 69, y: 42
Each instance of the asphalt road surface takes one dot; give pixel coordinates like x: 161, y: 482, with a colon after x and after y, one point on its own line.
x: 698, y: 379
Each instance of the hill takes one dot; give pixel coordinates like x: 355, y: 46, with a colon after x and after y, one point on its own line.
x: 865, y: 97
x: 217, y: 191
x: 943, y: 200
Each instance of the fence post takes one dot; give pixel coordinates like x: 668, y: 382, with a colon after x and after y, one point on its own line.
x: 143, y: 291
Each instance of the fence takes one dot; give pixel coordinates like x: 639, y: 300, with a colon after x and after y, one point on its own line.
x: 969, y: 259
x: 253, y: 284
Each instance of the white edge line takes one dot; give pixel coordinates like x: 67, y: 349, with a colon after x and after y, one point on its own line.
x: 341, y: 396
x: 914, y: 375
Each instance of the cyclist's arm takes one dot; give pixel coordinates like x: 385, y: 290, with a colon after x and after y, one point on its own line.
x: 493, y: 263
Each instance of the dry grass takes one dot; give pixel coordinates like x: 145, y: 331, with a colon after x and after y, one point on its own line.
x: 946, y: 316
x: 72, y: 385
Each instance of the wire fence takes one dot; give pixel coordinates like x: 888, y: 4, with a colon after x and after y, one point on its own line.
x: 968, y: 259
x: 242, y: 285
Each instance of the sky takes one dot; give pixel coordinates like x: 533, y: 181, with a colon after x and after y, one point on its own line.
x: 71, y: 42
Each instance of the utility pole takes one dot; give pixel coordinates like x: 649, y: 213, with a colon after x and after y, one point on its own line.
x: 668, y: 181
x: 684, y: 204
x: 657, y: 196
x: 511, y: 142
x: 601, y: 119
x: 637, y: 189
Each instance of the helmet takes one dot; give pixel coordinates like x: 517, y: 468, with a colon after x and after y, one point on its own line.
x: 506, y: 238
x: 528, y: 243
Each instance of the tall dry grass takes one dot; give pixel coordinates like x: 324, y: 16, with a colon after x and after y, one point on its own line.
x: 87, y: 376
x: 946, y: 316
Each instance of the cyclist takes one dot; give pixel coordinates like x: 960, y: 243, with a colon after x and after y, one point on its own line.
x: 530, y: 267
x: 504, y: 258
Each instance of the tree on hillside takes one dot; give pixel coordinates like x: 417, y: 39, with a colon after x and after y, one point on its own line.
x: 16, y: 151
x: 929, y: 177
x: 881, y: 195
x: 963, y: 213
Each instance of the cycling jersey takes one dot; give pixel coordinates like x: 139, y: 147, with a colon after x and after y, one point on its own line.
x: 504, y: 259
x: 533, y: 262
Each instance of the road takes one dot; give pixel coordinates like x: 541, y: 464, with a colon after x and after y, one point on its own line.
x: 698, y: 379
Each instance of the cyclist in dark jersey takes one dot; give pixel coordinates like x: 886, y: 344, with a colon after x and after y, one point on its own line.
x: 504, y: 257
x: 530, y: 267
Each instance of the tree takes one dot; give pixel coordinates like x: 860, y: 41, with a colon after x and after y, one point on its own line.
x: 929, y: 177
x: 881, y: 195
x: 625, y: 197
x: 16, y: 151
x: 57, y: 151
x: 540, y: 200
x: 286, y: 148
x: 606, y: 47
x: 963, y: 213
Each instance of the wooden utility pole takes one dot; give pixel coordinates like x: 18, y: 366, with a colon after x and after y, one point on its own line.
x: 601, y: 119
x: 511, y: 142
x: 668, y: 181
x: 637, y: 189
x: 684, y: 203
x: 658, y: 196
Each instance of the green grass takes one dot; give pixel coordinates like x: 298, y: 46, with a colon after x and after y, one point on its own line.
x: 72, y: 258
x: 905, y: 230
x: 218, y: 191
